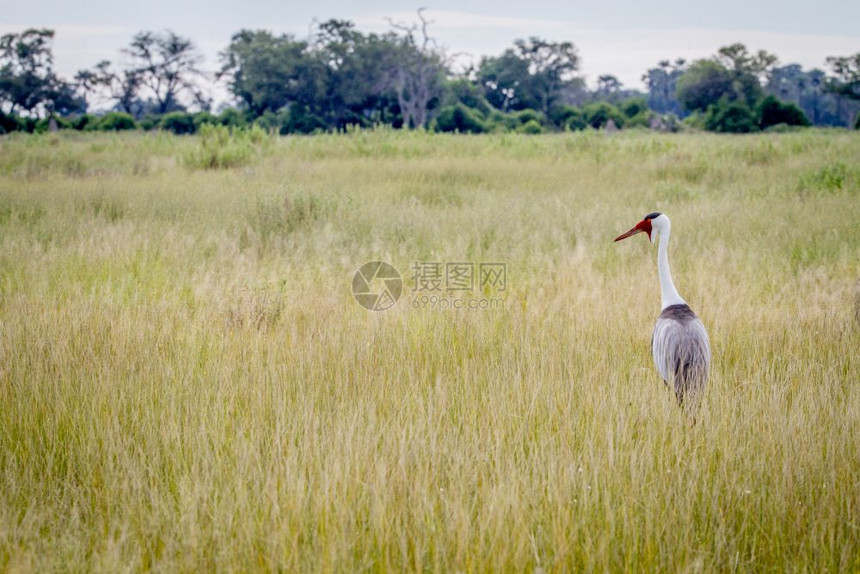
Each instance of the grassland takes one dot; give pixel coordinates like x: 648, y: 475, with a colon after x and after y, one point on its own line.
x: 186, y: 383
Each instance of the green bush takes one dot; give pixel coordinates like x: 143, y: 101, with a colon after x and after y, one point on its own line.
x: 857, y: 122
x: 772, y: 112
x: 180, y: 123
x: 531, y: 127
x: 13, y: 123
x: 231, y: 117
x: 523, y: 117
x: 277, y: 122
x: 462, y: 91
x: 302, y: 120
x: 83, y: 122
x: 730, y: 117
x: 598, y: 114
x: 150, y: 122
x: 640, y: 120
x: 8, y: 123
x: 632, y: 107
x: 44, y: 125
x: 459, y: 118
x: 568, y: 117
x: 221, y: 147
x: 201, y: 118
x: 116, y: 121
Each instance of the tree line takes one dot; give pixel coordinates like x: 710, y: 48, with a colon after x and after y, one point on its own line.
x: 341, y: 77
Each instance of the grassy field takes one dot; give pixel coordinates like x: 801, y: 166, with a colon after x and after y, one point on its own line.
x: 187, y: 383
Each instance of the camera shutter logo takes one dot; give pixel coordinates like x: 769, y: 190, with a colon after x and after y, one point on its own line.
x: 377, y: 286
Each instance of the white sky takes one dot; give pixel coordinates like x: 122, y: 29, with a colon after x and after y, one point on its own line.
x: 623, y: 38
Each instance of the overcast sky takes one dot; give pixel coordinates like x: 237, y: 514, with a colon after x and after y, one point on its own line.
x: 623, y: 38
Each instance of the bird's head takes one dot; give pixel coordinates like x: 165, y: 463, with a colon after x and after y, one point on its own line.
x: 652, y: 224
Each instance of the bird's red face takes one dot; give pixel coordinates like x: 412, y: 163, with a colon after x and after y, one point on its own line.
x: 643, y: 226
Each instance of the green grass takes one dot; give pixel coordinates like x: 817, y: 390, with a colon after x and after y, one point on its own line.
x: 186, y: 383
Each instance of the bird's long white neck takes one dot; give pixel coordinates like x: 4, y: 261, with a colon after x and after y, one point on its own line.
x: 668, y: 293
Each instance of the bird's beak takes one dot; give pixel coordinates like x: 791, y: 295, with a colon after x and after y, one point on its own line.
x: 633, y: 231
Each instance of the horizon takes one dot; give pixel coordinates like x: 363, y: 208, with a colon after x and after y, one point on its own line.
x: 611, y: 40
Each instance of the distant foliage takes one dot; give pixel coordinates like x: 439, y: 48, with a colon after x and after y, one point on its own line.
x: 116, y: 121
x: 220, y: 147
x: 531, y: 127
x: 730, y: 117
x: 180, y: 123
x: 773, y: 112
x: 459, y: 118
x: 338, y: 78
x: 598, y: 114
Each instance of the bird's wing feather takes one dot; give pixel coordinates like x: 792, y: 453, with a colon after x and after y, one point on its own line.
x: 681, y: 348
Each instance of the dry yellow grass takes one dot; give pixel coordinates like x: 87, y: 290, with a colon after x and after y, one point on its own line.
x: 186, y: 383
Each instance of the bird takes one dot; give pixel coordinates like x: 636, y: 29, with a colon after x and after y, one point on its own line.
x: 679, y: 345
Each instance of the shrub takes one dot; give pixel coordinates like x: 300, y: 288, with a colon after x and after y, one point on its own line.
x: 632, y: 107
x: 772, y: 112
x: 180, y: 123
x: 523, y: 117
x: 83, y: 122
x: 44, y: 125
x: 562, y: 116
x: 857, y: 122
x: 221, y: 147
x: 231, y: 117
x: 150, y: 122
x: 598, y: 114
x: 8, y: 123
x: 459, y: 118
x: 201, y: 118
x: 116, y: 121
x: 301, y: 120
x: 462, y: 91
x: 730, y: 117
x: 640, y: 120
x: 531, y: 127
x: 277, y: 122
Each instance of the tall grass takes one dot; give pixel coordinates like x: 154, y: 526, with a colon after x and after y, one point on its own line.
x: 186, y: 383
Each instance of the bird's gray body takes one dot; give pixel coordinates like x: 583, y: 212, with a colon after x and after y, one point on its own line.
x: 682, y: 352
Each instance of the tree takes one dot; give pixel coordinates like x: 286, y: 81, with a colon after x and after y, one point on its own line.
x: 357, y: 74
x: 608, y: 89
x: 161, y: 69
x: 461, y: 90
x: 27, y: 79
x: 122, y: 87
x: 417, y: 71
x: 166, y: 64
x: 703, y: 84
x: 662, y: 83
x: 533, y: 74
x: 812, y: 91
x: 267, y: 73
x: 736, y: 58
x: 846, y: 70
x: 732, y: 76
